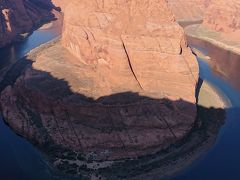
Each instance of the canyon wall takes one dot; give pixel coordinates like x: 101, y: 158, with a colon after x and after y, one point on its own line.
x: 219, y: 15
x: 138, y: 35
x: 21, y: 16
x: 189, y: 10
x: 223, y: 16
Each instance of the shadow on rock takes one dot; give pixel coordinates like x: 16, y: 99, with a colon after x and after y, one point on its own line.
x: 120, y: 136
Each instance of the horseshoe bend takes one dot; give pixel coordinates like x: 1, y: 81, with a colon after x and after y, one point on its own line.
x: 118, y: 86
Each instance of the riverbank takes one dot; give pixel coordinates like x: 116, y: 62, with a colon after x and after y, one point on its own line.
x: 210, y: 97
x: 216, y: 38
x: 169, y: 160
x: 143, y: 165
x: 224, y: 63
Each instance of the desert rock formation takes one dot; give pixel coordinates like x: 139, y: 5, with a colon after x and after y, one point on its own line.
x: 120, y: 84
x: 139, y: 36
x: 21, y: 16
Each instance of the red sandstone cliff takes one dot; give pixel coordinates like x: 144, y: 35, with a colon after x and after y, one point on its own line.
x: 21, y: 16
x: 138, y: 35
x: 223, y: 15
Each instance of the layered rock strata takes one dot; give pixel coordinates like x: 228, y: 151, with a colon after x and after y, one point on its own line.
x: 21, y: 16
x: 120, y: 84
x: 221, y: 25
x: 142, y: 38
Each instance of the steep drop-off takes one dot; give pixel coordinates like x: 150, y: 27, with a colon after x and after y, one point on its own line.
x: 221, y: 25
x: 21, y: 16
x: 120, y: 84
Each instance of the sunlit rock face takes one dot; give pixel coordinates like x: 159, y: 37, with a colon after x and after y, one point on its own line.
x: 223, y: 15
x: 20, y: 16
x: 188, y: 10
x: 141, y: 36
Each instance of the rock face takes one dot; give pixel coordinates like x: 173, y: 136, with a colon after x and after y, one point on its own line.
x: 121, y: 84
x: 223, y: 16
x: 21, y: 16
x: 189, y: 10
x: 139, y: 36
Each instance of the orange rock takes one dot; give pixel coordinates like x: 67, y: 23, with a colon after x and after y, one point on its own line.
x: 223, y: 15
x: 141, y: 36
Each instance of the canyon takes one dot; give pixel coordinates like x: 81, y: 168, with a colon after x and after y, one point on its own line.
x: 216, y: 15
x: 18, y: 18
x: 110, y: 89
x: 189, y: 10
x: 120, y: 85
x: 213, y: 20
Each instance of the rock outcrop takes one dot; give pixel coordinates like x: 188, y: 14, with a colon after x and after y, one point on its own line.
x: 120, y: 84
x: 223, y: 16
x: 142, y: 37
x: 21, y: 16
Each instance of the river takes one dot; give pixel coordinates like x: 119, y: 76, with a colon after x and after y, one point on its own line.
x: 20, y: 160
x: 222, y: 160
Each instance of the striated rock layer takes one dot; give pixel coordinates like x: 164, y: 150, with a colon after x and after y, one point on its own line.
x: 121, y: 83
x: 21, y: 16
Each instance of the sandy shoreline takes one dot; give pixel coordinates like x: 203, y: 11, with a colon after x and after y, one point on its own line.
x: 210, y: 96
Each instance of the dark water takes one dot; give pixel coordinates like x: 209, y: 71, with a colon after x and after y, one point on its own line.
x: 20, y: 160
x: 222, y: 161
x: 13, y: 52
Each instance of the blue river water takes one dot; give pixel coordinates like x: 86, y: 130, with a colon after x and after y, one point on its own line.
x: 222, y: 161
x: 21, y: 161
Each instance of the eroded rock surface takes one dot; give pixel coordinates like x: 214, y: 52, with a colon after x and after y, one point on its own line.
x: 21, y: 16
x: 120, y: 84
x: 137, y: 37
